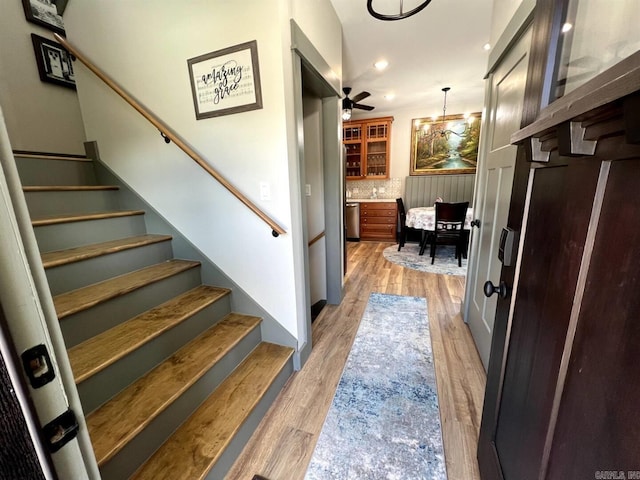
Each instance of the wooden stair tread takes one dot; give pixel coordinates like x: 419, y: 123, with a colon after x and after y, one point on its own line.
x: 56, y: 219
x: 71, y: 255
x: 196, y: 446
x: 99, y: 352
x: 69, y: 188
x: 112, y: 425
x: 82, y: 298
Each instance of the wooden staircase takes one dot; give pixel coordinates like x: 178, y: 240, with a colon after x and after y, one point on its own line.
x: 172, y: 381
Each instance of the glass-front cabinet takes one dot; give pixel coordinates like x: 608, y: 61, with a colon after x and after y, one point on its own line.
x: 594, y: 36
x: 367, y: 144
x: 352, y: 139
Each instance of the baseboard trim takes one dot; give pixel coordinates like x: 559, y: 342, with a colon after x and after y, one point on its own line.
x: 48, y: 154
x: 316, y: 308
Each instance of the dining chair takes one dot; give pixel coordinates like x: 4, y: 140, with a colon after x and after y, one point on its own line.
x: 449, y: 229
x: 404, y: 233
x: 401, y: 230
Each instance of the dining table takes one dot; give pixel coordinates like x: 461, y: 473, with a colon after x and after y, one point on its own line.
x: 424, y: 218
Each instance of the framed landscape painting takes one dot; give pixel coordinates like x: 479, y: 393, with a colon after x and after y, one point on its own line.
x: 445, y: 146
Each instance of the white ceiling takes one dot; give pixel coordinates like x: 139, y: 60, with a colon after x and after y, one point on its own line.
x: 441, y: 46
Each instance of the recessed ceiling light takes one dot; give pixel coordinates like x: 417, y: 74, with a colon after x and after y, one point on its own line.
x: 390, y: 96
x: 566, y: 27
x: 487, y: 46
x: 381, y: 64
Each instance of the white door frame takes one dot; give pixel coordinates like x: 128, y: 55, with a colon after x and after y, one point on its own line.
x: 304, y: 55
x: 518, y: 25
x: 32, y: 320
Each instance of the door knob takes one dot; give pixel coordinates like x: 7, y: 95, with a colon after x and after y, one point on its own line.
x: 475, y: 223
x: 502, y: 290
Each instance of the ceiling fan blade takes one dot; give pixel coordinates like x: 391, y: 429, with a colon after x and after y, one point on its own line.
x: 360, y: 96
x: 363, y: 107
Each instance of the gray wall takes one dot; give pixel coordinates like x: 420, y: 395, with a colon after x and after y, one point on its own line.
x: 250, y: 149
x: 423, y: 190
x: 40, y: 116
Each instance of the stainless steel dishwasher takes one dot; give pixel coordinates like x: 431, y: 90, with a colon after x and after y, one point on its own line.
x: 353, y: 222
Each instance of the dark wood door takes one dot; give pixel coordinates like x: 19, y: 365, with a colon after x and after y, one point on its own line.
x: 565, y: 402
x: 18, y: 458
x: 598, y: 421
x: 563, y: 380
x: 558, y: 217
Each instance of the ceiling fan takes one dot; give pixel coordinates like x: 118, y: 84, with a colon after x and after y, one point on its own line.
x: 348, y: 104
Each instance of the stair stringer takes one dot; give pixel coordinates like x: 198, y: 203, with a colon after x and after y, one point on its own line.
x: 271, y: 330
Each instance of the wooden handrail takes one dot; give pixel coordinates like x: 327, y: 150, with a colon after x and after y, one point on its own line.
x: 316, y: 238
x: 168, y: 134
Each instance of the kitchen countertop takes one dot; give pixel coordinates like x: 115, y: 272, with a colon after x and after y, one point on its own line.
x: 372, y: 200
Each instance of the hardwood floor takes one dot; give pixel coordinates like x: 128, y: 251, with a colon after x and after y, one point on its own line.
x: 283, y: 445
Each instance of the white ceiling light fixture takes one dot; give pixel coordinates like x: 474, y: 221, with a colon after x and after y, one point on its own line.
x: 347, y: 104
x: 381, y: 65
x: 395, y: 16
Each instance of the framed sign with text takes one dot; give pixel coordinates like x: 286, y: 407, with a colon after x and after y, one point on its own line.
x: 226, y: 81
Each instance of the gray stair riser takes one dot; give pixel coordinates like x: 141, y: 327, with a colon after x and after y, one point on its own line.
x: 231, y: 453
x: 104, y: 385
x: 36, y: 171
x: 86, y: 272
x: 76, y: 234
x: 88, y: 323
x: 149, y: 440
x: 69, y: 202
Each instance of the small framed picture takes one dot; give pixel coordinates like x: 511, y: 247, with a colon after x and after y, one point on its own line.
x: 226, y: 81
x: 55, y: 64
x: 45, y: 13
x: 60, y: 5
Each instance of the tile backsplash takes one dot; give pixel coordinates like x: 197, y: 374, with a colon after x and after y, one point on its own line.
x: 365, y: 188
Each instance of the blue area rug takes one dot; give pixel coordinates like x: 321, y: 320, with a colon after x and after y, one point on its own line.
x: 384, y: 422
x: 444, y: 264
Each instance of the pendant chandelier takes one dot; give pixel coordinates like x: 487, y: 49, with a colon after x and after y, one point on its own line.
x: 397, y: 16
x: 444, y: 131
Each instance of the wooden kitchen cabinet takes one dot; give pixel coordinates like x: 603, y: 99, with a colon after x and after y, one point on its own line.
x: 367, y: 144
x: 378, y: 221
x: 352, y: 140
